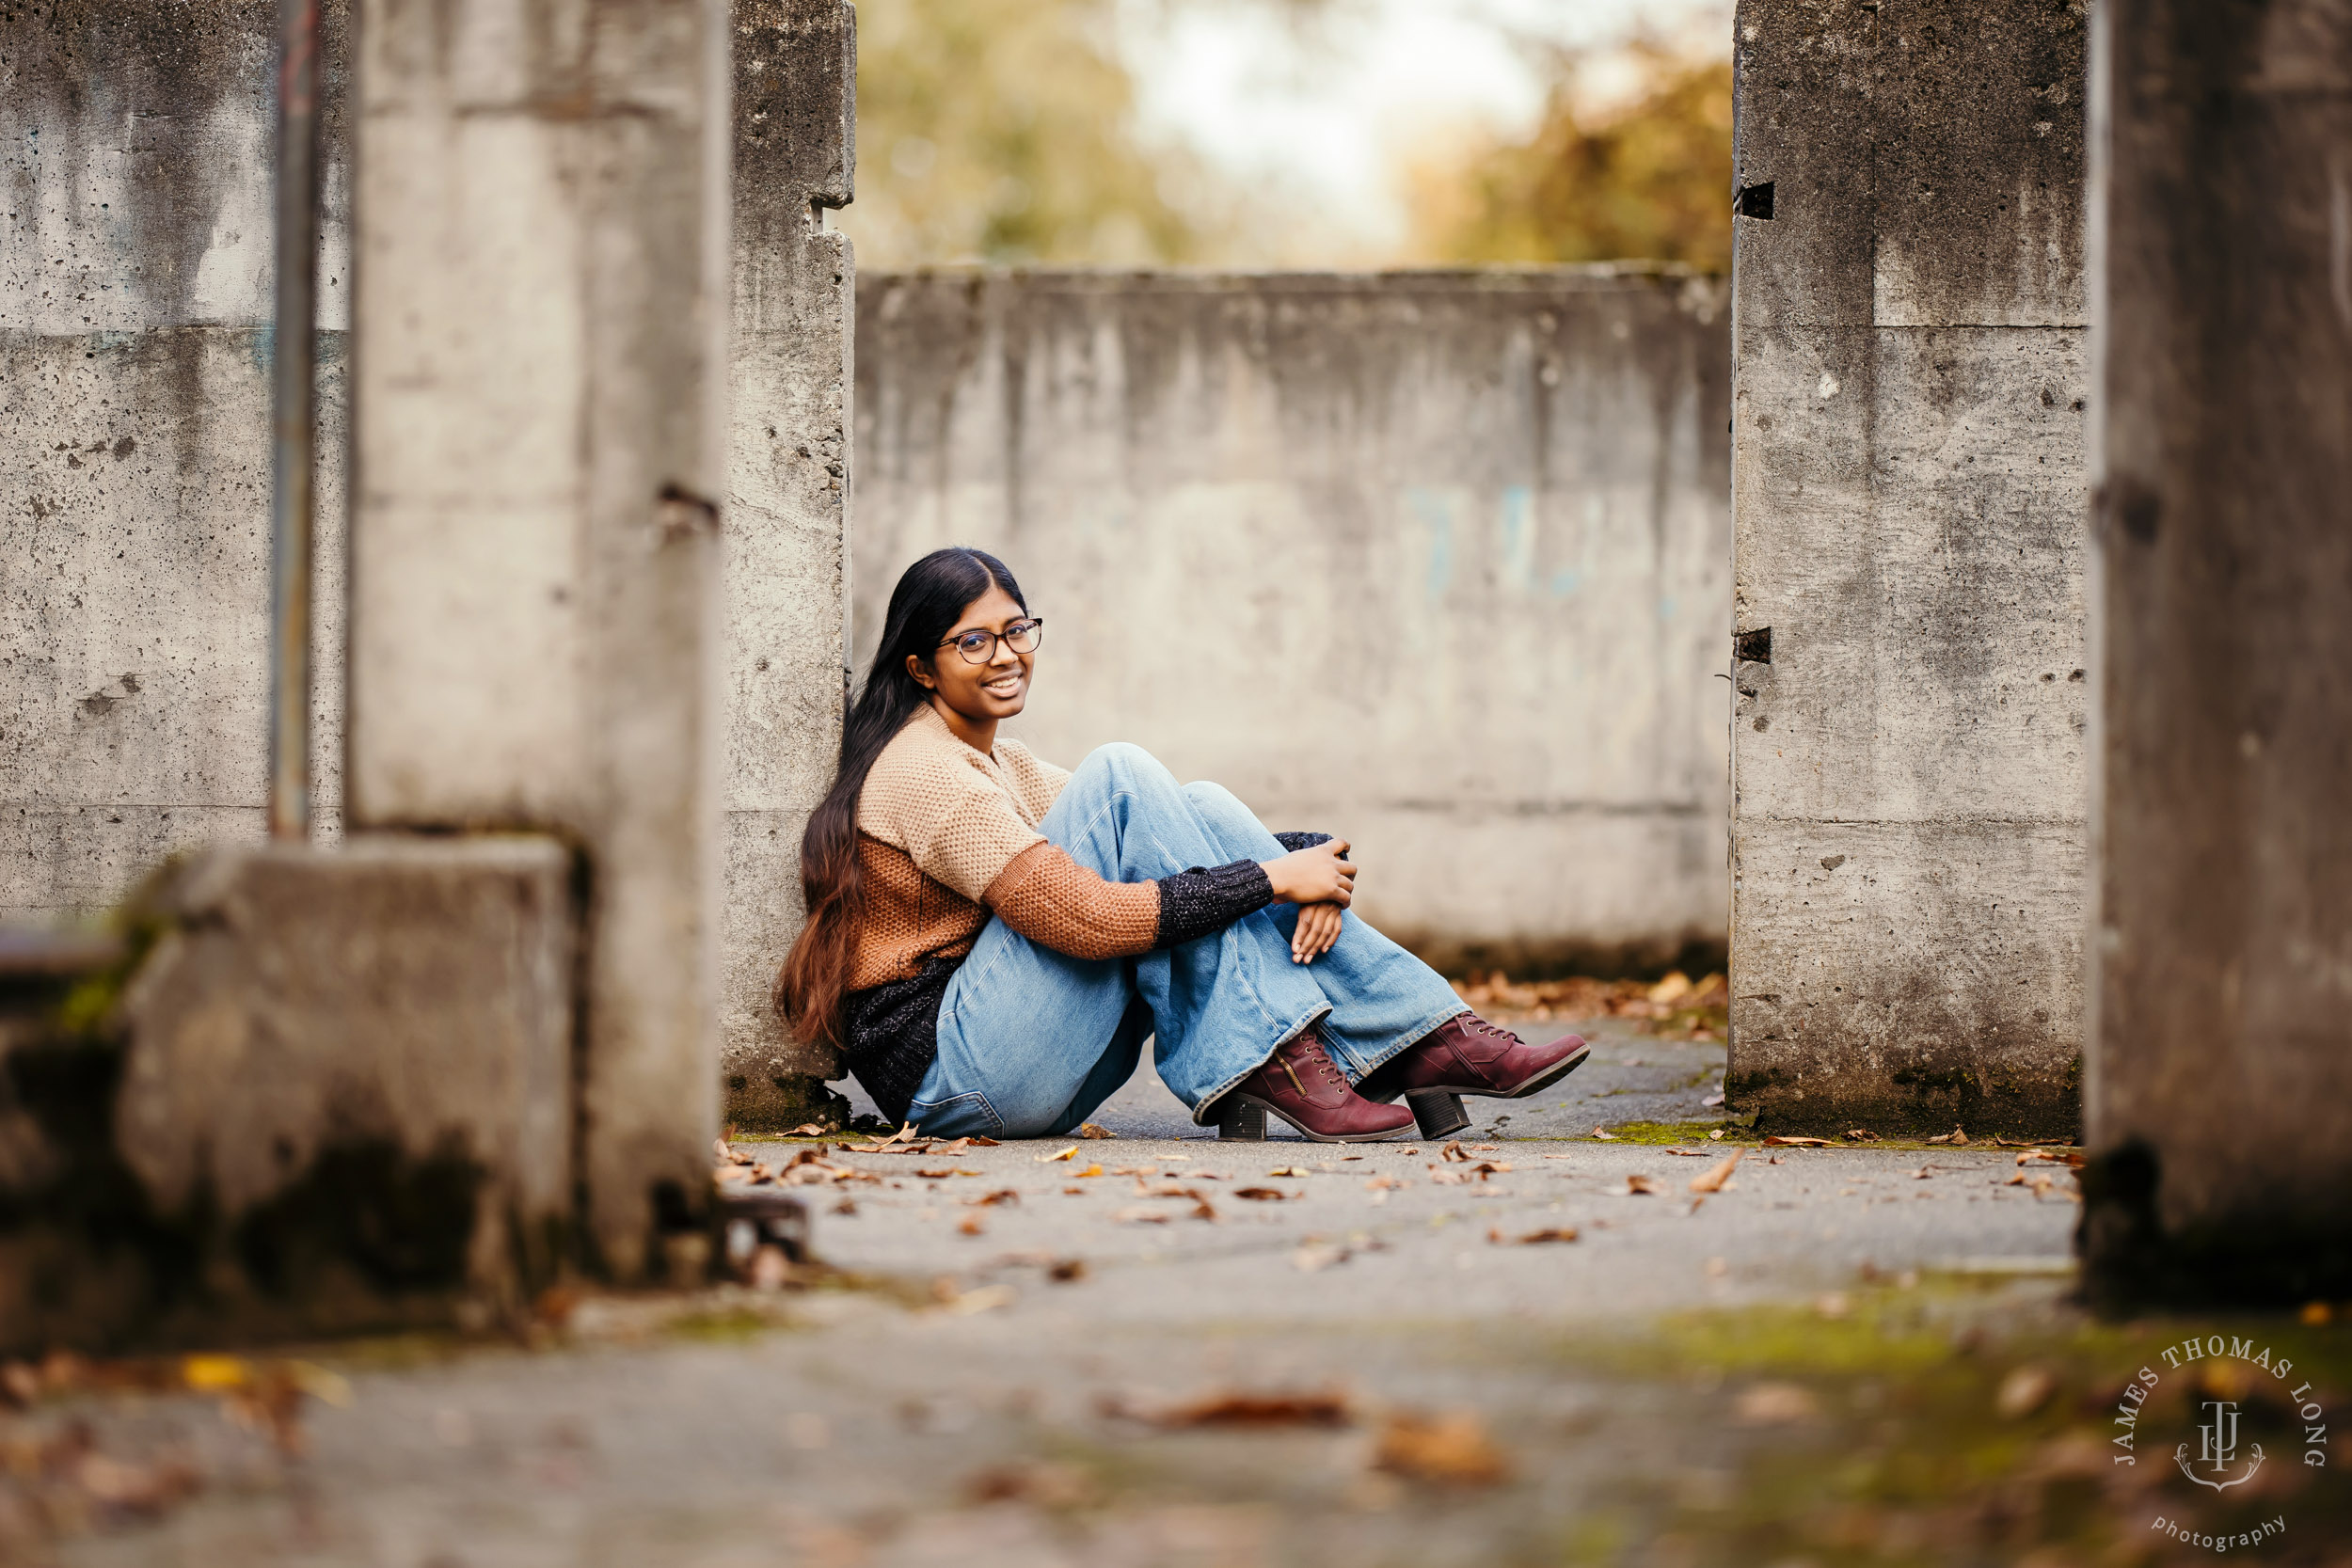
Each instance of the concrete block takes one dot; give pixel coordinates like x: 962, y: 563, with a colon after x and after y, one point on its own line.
x: 1909, y: 975
x: 539, y: 446
x: 1444, y: 554
x: 2220, y: 1100
x: 334, y: 1094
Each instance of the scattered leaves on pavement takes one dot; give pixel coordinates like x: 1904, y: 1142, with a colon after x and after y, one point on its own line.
x: 1454, y: 1151
x: 1043, y: 1486
x: 1714, y: 1179
x: 1954, y: 1137
x: 1637, y: 1185
x: 1798, y: 1142
x: 971, y: 1226
x: 1861, y: 1135
x: 1049, y: 1159
x: 1290, y: 1170
x: 1089, y: 1129
x: 1140, y: 1213
x: 1264, y: 1194
x: 1604, y: 1135
x: 989, y: 1200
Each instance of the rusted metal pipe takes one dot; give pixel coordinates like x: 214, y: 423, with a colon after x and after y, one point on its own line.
x: 293, y: 419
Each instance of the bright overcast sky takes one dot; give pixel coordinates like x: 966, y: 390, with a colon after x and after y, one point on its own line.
x: 1323, y: 115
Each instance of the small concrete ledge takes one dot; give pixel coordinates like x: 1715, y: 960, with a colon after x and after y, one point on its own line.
x: 329, y: 1092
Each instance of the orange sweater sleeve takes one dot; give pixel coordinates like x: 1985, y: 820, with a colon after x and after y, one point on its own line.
x: 1052, y: 899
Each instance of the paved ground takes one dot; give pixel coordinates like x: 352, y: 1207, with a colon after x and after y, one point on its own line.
x: 1036, y: 1379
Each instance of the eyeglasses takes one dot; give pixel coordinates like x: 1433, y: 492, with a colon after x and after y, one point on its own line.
x: 978, y: 647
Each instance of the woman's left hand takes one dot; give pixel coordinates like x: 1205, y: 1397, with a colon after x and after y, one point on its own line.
x: 1318, y: 927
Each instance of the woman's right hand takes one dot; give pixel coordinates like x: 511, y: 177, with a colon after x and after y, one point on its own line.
x: 1313, y: 876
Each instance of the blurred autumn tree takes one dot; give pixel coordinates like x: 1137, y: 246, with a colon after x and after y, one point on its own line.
x: 1649, y: 177
x: 1002, y: 131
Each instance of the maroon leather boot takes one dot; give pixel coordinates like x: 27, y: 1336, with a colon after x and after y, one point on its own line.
x: 1301, y: 1084
x: 1466, y: 1054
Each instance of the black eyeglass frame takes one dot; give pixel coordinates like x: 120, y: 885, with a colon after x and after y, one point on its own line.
x: 1034, y: 623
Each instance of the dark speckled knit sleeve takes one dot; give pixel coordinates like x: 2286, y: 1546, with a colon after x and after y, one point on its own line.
x: 1196, y: 902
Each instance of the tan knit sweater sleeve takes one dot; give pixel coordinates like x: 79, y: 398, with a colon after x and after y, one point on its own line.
x: 949, y: 809
x: 1052, y: 899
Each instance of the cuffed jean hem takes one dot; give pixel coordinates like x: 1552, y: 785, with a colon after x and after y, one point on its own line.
x: 1344, y: 1059
x: 1358, y: 1072
x: 1314, y: 1016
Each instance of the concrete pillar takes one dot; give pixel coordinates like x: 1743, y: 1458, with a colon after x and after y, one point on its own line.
x: 2220, y: 1083
x: 1909, y: 794
x: 786, y: 536
x: 539, y: 390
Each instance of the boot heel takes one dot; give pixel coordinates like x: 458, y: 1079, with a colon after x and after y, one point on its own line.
x: 1439, y: 1112
x: 1241, y: 1120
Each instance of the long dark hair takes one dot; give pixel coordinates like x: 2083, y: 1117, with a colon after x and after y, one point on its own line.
x: 924, y: 608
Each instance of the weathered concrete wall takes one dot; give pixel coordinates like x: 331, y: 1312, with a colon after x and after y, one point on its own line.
x: 1434, y: 560
x: 539, y: 394
x: 135, y: 339
x: 1909, y: 793
x: 134, y: 343
x: 2220, y: 1083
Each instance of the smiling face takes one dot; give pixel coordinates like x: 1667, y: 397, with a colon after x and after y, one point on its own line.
x: 981, y: 694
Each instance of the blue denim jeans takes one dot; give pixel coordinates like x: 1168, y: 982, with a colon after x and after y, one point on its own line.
x: 1032, y: 1040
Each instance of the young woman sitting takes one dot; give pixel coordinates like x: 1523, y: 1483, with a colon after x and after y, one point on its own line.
x: 990, y: 939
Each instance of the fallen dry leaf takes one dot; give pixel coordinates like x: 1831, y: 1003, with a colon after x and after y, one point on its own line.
x: 1385, y: 1184
x: 1290, y: 1170
x: 847, y: 1206
x: 1236, y: 1408
x: 809, y: 1130
x: 1091, y: 1170
x: 1712, y: 1179
x: 1454, y: 1151
x: 986, y: 1300
x: 1453, y: 1450
x: 1861, y: 1135
x: 1799, y: 1143
x: 1717, y: 1135
x: 1450, y: 1178
x: 1604, y: 1136
x: 1139, y: 1213
x: 989, y: 1200
x: 1636, y: 1185
x: 1089, y: 1129
x: 1485, y: 1148
x: 1689, y: 1153
x: 1535, y: 1238
x: 1066, y: 1269
x: 1264, y: 1194
x: 971, y: 1226
x: 1050, y: 1486
x: 935, y: 1175
x: 1764, y: 1404
x: 1049, y: 1159
x: 1954, y: 1137
x: 1074, y: 1192
x: 2026, y: 1390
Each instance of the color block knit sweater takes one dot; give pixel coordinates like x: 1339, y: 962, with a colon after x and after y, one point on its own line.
x: 947, y: 834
